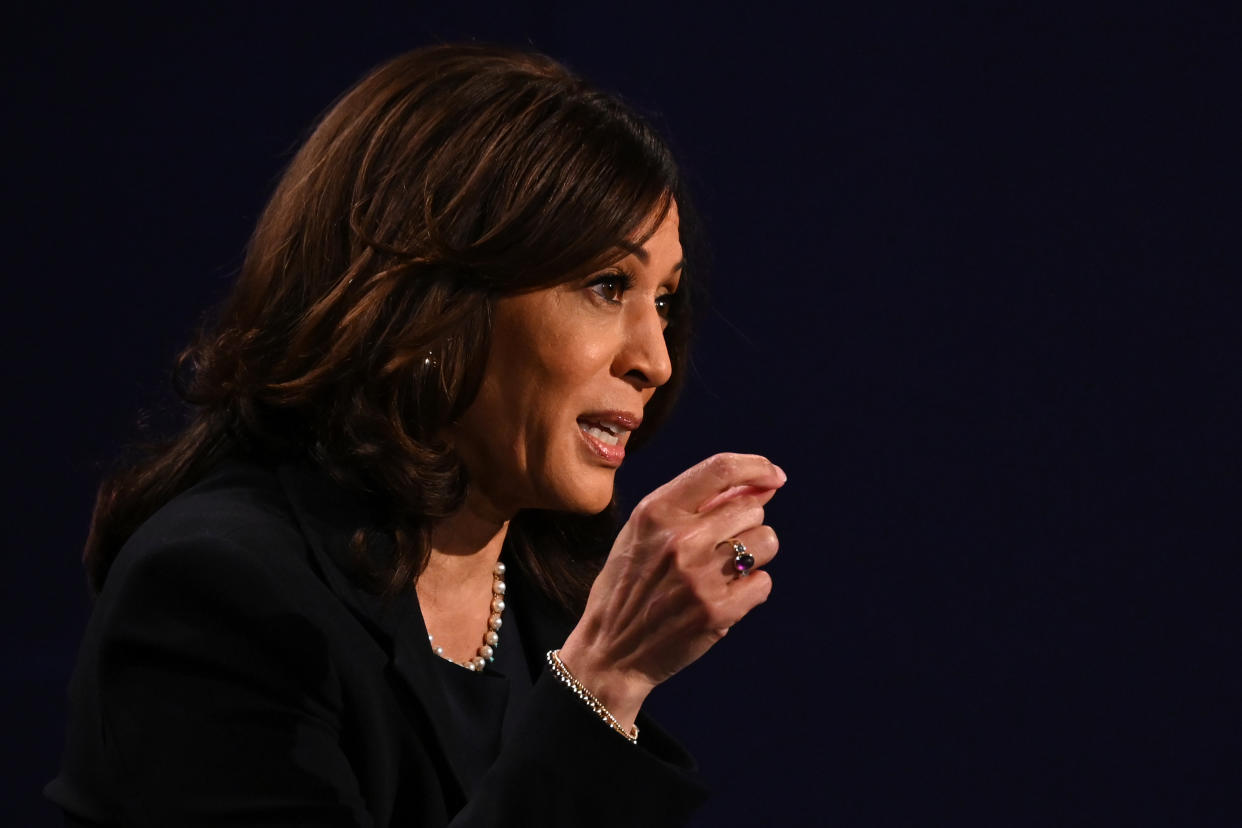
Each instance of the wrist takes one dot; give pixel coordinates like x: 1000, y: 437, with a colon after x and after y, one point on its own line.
x: 621, y: 693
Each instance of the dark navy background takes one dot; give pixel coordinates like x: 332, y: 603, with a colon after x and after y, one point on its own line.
x: 975, y: 286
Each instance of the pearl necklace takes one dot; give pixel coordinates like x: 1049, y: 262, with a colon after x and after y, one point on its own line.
x: 491, y: 639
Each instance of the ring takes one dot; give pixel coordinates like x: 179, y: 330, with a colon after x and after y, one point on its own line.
x: 743, y: 561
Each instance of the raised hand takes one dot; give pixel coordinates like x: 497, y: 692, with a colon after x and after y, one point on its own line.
x: 670, y: 588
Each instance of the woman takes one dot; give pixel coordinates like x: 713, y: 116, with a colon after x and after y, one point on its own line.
x: 463, y: 304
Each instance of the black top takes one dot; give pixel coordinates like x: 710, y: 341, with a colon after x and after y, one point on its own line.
x: 234, y: 673
x: 485, y: 707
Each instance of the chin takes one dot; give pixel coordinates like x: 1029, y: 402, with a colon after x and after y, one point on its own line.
x: 591, y: 498
x: 589, y: 505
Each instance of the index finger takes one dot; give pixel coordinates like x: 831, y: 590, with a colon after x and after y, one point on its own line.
x: 760, y: 493
x: 719, y: 473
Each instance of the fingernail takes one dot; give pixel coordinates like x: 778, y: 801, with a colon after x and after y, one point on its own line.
x: 781, y: 472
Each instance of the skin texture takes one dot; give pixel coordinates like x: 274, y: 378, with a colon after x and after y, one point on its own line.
x: 558, y: 354
x: 666, y: 595
x: 561, y: 355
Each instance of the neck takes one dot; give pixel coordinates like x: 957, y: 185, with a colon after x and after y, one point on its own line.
x: 464, y: 550
x: 456, y: 589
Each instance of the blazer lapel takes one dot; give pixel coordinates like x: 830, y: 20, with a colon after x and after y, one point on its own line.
x: 328, y: 516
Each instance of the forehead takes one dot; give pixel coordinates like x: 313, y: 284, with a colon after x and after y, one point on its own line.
x: 660, y: 233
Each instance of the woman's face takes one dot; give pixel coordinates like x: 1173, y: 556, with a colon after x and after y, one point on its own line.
x: 568, y: 374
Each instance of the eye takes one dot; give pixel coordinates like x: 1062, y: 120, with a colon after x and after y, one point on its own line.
x: 611, y: 286
x: 666, y: 305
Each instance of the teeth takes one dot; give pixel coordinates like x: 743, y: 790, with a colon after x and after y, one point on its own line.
x: 606, y: 437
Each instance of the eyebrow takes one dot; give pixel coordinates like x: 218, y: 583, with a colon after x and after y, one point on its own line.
x: 639, y: 252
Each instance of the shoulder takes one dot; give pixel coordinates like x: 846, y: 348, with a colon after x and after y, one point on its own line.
x: 236, y: 504
x: 235, y: 520
x: 224, y: 561
x: 214, y: 631
x: 217, y: 581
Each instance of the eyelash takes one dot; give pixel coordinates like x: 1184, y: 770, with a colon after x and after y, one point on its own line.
x: 621, y: 282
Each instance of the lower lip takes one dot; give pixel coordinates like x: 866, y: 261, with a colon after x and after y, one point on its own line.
x: 611, y: 455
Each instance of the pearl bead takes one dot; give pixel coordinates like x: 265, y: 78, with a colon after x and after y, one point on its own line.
x: 491, y: 638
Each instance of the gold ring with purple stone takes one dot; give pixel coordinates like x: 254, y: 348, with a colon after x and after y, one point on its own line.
x: 743, y: 561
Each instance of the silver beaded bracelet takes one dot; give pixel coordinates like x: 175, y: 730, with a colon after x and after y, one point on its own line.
x: 588, y: 698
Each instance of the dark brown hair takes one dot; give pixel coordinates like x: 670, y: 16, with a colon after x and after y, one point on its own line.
x: 358, y: 327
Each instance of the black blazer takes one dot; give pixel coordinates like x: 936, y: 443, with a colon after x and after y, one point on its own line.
x: 232, y: 673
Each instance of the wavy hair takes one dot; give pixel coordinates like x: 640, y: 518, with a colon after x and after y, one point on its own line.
x: 359, y: 324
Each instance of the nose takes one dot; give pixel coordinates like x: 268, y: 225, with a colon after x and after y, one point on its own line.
x: 643, y: 359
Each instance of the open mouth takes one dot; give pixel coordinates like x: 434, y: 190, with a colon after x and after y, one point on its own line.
x: 609, y: 435
x: 605, y: 431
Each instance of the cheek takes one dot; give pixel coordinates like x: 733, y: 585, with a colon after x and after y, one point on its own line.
x: 547, y: 360
x: 561, y: 363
